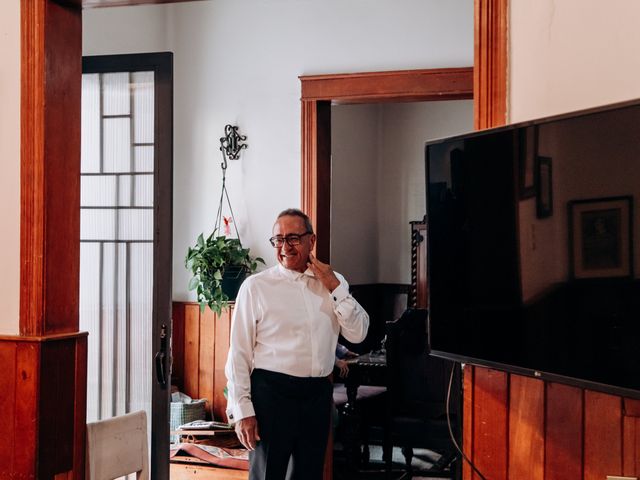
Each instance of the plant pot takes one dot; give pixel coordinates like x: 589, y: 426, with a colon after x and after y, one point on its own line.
x: 232, y: 278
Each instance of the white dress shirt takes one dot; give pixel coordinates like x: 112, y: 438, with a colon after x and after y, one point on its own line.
x: 288, y: 322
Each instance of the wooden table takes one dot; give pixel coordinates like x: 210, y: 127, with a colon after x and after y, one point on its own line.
x: 367, y: 369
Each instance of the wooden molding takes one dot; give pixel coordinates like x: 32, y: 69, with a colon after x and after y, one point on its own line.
x: 491, y: 63
x: 31, y: 167
x: 316, y: 171
x: 397, y: 86
x: 51, y: 69
x: 320, y: 91
x: 120, y: 3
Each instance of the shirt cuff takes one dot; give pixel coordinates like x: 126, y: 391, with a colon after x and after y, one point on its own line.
x: 339, y: 294
x: 239, y: 412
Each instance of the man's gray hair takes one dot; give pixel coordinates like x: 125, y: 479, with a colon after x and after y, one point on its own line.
x: 294, y: 212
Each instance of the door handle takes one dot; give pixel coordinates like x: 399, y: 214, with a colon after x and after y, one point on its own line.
x: 161, y: 358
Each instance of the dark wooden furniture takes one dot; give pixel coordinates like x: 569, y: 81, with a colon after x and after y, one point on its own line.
x: 368, y: 371
x: 417, y: 393
x: 419, y: 290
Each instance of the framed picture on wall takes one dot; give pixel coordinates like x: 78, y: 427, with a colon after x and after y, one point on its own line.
x: 544, y: 190
x: 600, y: 237
x: 527, y: 151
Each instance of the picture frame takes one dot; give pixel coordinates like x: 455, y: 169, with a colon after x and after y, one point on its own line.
x: 544, y: 187
x: 527, y: 152
x: 600, y: 238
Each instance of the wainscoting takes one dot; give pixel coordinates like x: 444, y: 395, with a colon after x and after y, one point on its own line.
x: 521, y: 428
x: 43, y: 388
x: 200, y: 347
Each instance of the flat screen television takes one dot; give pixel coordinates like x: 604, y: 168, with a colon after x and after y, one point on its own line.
x: 532, y: 261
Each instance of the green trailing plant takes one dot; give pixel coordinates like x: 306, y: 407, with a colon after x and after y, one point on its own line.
x: 210, y: 261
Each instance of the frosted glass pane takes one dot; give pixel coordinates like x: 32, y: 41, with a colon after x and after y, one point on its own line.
x: 143, y: 106
x: 121, y: 333
x: 130, y: 224
x: 143, y: 190
x: 125, y: 191
x: 143, y: 159
x: 90, y: 126
x: 98, y: 191
x: 141, y: 295
x: 115, y: 91
x: 116, y: 292
x: 108, y: 311
x: 117, y: 145
x: 90, y: 321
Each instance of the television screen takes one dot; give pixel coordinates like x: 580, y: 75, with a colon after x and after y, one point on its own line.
x: 532, y: 230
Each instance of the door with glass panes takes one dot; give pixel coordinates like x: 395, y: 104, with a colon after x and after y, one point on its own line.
x: 125, y: 240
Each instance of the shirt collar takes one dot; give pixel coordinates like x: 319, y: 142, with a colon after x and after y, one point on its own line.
x: 293, y: 274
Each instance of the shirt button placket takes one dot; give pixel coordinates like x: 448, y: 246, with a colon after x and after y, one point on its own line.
x: 314, y: 348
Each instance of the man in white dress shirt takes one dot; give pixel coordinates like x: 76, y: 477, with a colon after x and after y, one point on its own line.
x: 284, y: 333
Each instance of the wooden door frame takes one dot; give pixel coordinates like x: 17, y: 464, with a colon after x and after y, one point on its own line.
x: 319, y: 92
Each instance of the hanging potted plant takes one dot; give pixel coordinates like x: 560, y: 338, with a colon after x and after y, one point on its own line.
x: 219, y: 265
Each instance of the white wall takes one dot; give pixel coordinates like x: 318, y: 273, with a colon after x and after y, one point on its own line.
x: 238, y: 61
x: 378, y: 182
x: 404, y: 130
x: 140, y: 29
x: 10, y: 178
x: 572, y: 54
x: 354, y: 192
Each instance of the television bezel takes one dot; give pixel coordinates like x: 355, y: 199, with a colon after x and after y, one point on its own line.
x: 510, y: 368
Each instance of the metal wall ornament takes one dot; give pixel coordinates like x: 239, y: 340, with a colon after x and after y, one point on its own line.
x: 231, y: 144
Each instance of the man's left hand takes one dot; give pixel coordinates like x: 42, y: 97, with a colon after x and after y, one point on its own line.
x: 324, y: 273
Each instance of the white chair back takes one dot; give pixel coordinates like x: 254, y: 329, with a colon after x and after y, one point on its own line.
x: 117, y: 447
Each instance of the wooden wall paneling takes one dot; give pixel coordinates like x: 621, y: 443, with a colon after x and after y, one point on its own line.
x: 631, y: 447
x: 191, y: 349
x: 51, y: 71
x: 631, y: 407
x: 208, y: 321
x: 177, y: 345
x: 467, y: 419
x: 27, y: 377
x: 526, y: 428
x: 631, y: 438
x: 80, y: 408
x: 223, y: 330
x: 564, y: 432
x: 204, y: 353
x: 602, y: 435
x: 8, y: 380
x: 56, y: 407
x: 490, y: 63
x: 490, y: 422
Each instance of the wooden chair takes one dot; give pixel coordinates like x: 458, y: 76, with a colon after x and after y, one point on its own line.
x: 117, y: 447
x: 417, y: 389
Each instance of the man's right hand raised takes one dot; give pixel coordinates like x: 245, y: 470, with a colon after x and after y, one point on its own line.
x: 247, y: 431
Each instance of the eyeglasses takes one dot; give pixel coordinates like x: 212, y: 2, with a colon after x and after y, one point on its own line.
x: 292, y: 239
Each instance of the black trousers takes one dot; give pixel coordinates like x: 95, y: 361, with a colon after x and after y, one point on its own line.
x: 293, y: 417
